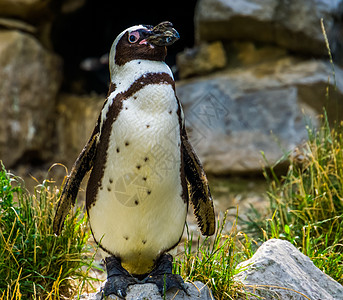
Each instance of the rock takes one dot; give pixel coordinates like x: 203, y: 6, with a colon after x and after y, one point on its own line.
x: 76, y: 117
x: 233, y: 115
x: 201, y: 59
x: 336, y: 37
x: 248, y: 53
x: 70, y: 6
x: 30, y: 78
x: 31, y: 10
x: 292, y: 24
x: 196, y: 290
x: 278, y: 263
x: 17, y: 24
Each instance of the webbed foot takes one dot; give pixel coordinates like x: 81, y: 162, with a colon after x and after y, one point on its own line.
x: 163, y: 277
x: 118, y: 279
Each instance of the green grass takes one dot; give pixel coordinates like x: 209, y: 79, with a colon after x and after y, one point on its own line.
x: 214, y: 262
x: 35, y: 263
x: 306, y: 208
x: 306, y: 205
x: 38, y: 265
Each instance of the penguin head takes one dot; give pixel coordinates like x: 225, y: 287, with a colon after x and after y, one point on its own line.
x: 142, y: 42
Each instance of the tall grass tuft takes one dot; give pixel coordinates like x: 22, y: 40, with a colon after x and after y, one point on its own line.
x: 35, y: 263
x: 214, y: 262
x: 307, y: 204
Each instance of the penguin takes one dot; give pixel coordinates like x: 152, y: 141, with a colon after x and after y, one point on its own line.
x: 144, y: 170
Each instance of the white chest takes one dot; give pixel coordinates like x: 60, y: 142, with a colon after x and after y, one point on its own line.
x: 139, y: 211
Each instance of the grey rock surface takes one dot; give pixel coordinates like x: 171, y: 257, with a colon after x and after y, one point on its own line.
x: 231, y: 115
x: 235, y: 114
x: 196, y: 290
x: 293, y: 24
x: 277, y: 263
x: 30, y: 79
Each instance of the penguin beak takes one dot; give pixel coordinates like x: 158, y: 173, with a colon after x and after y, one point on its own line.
x: 163, y: 34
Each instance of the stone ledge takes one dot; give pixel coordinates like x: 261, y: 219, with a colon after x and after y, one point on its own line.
x: 196, y: 290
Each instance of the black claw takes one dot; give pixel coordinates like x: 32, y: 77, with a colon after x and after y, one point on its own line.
x: 121, y: 294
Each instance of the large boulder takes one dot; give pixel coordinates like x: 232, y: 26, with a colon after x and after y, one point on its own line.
x: 76, y: 117
x: 278, y: 270
x: 293, y: 24
x: 233, y: 115
x: 30, y: 78
x: 201, y: 60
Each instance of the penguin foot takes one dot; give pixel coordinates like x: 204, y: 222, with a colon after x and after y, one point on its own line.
x: 117, y: 285
x: 165, y: 282
x: 163, y: 277
x: 118, y: 279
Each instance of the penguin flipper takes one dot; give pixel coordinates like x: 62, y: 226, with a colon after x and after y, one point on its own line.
x: 81, y: 166
x: 199, y: 191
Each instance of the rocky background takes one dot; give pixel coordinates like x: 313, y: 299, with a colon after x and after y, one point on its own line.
x: 249, y: 74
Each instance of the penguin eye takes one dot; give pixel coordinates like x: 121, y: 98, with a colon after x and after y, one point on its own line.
x: 133, y: 37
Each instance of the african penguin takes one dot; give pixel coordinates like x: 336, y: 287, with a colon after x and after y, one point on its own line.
x: 143, y: 168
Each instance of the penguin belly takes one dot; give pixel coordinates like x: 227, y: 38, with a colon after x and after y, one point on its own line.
x: 139, y: 211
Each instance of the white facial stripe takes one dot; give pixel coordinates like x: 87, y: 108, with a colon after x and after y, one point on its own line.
x: 133, y: 28
x: 113, y: 48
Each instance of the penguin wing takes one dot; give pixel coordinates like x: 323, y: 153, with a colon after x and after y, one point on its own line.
x: 199, y: 191
x: 81, y: 166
